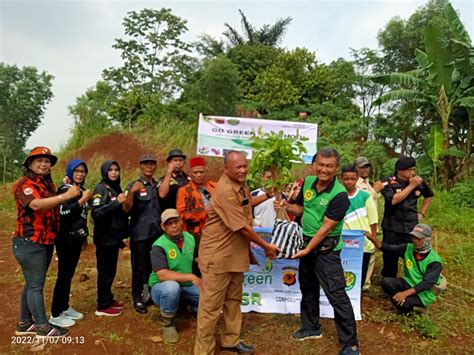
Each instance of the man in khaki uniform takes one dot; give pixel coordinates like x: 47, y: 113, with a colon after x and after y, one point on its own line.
x: 363, y: 167
x: 224, y: 255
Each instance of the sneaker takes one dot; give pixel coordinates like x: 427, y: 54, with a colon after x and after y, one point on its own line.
x: 303, y: 334
x: 73, y: 314
x: 28, y: 328
x: 62, y: 321
x: 109, y: 312
x: 117, y: 305
x: 140, y: 307
x: 49, y: 331
x: 347, y: 350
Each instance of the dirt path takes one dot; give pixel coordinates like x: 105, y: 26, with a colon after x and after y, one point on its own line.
x: 136, y: 333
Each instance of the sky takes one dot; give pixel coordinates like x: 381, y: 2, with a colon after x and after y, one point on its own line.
x: 72, y: 40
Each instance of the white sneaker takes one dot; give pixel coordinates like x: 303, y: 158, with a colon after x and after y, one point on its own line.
x: 62, y: 321
x: 73, y: 314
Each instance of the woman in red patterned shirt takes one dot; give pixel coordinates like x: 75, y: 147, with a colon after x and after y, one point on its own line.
x: 33, y: 241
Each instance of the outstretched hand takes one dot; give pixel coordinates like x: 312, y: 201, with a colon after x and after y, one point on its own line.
x: 272, y: 251
x: 301, y: 253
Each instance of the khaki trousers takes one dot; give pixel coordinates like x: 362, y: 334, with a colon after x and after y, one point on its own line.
x: 219, y: 292
x: 370, y: 271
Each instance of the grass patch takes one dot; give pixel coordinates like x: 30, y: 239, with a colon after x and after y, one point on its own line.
x: 107, y: 334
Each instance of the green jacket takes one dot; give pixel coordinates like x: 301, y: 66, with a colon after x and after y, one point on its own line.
x: 414, y: 270
x: 178, y: 260
x: 315, y: 206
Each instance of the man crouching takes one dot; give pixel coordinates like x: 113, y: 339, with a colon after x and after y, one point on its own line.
x: 172, y: 279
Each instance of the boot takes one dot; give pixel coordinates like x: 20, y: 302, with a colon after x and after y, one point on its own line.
x: 170, y: 335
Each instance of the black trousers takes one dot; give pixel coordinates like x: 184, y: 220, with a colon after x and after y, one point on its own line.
x: 325, y: 270
x: 68, y: 251
x: 141, y: 266
x: 107, y: 257
x: 392, y: 285
x: 390, y: 260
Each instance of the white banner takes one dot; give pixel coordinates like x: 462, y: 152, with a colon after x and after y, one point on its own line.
x: 217, y: 134
x: 273, y: 287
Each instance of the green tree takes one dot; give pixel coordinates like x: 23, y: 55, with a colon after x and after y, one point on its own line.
x: 155, y: 58
x: 91, y: 113
x: 24, y: 94
x: 399, y: 39
x: 441, y: 81
x: 216, y: 89
x: 251, y: 60
x: 270, y: 35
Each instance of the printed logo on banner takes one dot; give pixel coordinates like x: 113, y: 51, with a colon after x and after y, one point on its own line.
x: 203, y: 150
x: 289, y: 275
x: 267, y: 267
x: 351, y: 243
x: 350, y: 280
x: 233, y: 122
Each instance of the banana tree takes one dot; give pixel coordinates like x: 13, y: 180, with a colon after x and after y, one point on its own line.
x: 443, y: 80
x: 275, y: 152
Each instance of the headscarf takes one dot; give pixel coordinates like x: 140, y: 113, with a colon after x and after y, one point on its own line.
x: 71, y: 166
x: 104, y: 170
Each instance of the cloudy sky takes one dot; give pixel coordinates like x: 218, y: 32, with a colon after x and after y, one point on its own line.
x: 73, y: 39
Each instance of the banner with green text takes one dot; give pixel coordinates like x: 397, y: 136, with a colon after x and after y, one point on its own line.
x: 273, y: 287
x: 218, y: 134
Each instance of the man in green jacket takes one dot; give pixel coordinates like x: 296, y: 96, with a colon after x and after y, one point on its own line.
x: 421, y: 271
x: 172, y: 279
x: 323, y: 203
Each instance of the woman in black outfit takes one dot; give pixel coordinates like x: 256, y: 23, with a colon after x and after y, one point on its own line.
x: 110, y: 228
x: 70, y: 241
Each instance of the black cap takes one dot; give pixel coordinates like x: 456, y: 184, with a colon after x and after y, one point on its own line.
x: 175, y: 153
x: 404, y: 163
x: 147, y: 157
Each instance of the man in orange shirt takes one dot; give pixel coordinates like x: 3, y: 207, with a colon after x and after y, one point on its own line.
x: 193, y: 200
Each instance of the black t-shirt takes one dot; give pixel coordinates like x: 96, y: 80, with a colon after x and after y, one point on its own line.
x: 403, y: 216
x: 145, y: 214
x: 176, y: 182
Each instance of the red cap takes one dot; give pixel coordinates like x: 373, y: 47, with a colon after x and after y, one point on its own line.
x: 196, y: 161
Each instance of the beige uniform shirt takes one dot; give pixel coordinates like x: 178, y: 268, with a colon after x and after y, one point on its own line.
x: 222, y: 247
x: 364, y: 185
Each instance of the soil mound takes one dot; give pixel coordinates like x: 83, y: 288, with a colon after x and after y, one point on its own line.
x: 122, y: 147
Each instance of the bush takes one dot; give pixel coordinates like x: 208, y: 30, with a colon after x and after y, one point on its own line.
x: 462, y: 194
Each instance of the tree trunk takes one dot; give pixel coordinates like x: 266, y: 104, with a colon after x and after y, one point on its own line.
x: 4, y: 167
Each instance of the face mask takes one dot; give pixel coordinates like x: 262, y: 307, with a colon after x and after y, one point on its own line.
x: 425, y: 247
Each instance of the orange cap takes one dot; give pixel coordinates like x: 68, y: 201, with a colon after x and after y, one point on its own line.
x: 40, y: 152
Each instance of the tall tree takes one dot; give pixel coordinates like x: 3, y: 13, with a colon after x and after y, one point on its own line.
x: 270, y: 35
x: 153, y: 53
x: 399, y: 39
x: 441, y: 81
x: 24, y: 94
x: 216, y: 89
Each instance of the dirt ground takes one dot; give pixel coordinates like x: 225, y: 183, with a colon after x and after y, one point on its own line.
x: 135, y: 333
